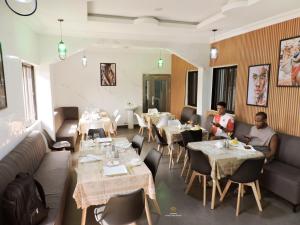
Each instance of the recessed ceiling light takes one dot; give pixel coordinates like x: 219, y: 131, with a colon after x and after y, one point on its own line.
x: 158, y: 9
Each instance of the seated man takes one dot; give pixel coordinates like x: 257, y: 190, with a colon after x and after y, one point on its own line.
x: 263, y: 137
x: 222, y: 124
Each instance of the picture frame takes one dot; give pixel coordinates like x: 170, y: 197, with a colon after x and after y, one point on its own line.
x: 258, y: 85
x: 108, y: 76
x: 3, y: 97
x: 288, y: 74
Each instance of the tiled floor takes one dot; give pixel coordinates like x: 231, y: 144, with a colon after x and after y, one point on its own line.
x: 189, y: 209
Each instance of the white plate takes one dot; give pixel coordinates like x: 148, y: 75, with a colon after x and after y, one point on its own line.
x: 135, y: 162
x: 113, y: 171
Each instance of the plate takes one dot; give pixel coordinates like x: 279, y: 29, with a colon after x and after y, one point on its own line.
x: 136, y: 162
x: 113, y: 163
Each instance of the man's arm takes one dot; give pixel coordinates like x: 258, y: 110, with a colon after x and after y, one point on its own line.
x: 273, y: 146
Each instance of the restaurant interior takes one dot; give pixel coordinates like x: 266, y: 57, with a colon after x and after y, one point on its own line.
x: 149, y: 112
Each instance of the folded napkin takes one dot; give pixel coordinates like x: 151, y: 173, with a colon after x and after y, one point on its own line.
x: 90, y: 158
x: 102, y: 140
x: 123, y: 144
x: 115, y: 170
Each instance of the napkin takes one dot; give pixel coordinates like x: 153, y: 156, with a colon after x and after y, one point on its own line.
x: 115, y: 170
x: 90, y: 158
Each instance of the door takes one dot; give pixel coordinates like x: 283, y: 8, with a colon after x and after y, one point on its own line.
x: 156, y: 92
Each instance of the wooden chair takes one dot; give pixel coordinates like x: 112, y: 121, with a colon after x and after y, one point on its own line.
x: 143, y: 124
x: 246, y: 175
x: 201, y: 168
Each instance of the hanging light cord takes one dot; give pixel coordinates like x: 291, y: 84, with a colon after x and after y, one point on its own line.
x: 21, y: 14
x: 60, y: 29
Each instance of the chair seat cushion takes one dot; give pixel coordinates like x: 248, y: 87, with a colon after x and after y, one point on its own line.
x: 283, y: 180
x: 53, y: 175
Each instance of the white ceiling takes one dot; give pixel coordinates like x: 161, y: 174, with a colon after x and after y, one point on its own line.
x: 158, y: 20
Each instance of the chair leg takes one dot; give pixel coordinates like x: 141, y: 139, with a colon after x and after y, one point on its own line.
x: 83, y: 216
x: 225, y: 190
x: 148, y: 214
x: 219, y: 188
x: 184, y: 166
x: 194, y: 174
x: 258, y: 189
x: 171, y: 159
x: 156, y: 206
x: 243, y: 190
x: 238, y: 200
x: 188, y: 174
x: 204, y: 190
x: 179, y: 155
x: 158, y: 148
x: 256, y: 196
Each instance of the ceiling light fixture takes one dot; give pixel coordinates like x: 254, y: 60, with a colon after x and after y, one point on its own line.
x: 160, y: 62
x: 213, y: 50
x: 23, y: 2
x: 62, y: 50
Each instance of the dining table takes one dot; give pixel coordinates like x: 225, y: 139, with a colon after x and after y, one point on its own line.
x: 95, y: 121
x: 173, y: 136
x: 224, y: 161
x: 153, y: 118
x: 101, y: 174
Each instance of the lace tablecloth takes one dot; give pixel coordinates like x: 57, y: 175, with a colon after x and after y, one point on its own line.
x: 94, y: 188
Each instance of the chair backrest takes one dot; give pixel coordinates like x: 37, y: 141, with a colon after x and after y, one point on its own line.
x: 163, y: 121
x: 152, y: 110
x: 174, y: 123
x: 124, y: 209
x: 115, y: 113
x: 159, y: 139
x: 195, y: 119
x: 186, y: 137
x: 187, y: 113
x: 248, y: 171
x: 199, y: 162
x: 100, y: 132
x: 196, y: 135
x: 137, y: 142
x: 117, y: 118
x: 152, y: 161
x: 141, y: 121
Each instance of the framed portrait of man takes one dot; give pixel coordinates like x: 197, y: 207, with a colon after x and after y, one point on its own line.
x: 108, y: 74
x: 289, y: 63
x: 258, y: 85
x: 3, y: 100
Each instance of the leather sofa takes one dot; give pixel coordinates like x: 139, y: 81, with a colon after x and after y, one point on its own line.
x: 187, y: 113
x: 66, y: 122
x: 281, y: 176
x: 51, y: 169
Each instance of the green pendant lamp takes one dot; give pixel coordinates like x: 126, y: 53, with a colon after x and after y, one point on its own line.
x: 62, y: 50
x: 160, y: 62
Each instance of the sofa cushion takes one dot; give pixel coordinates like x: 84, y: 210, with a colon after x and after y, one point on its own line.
x: 68, y: 132
x: 283, y: 180
x: 289, y: 150
x: 53, y: 175
x: 25, y: 157
x: 241, y: 129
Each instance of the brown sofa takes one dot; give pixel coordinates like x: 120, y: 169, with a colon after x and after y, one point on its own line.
x: 281, y: 176
x: 51, y: 169
x: 66, y: 122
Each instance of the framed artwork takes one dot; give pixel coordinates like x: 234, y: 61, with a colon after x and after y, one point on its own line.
x: 108, y: 74
x: 3, y: 100
x: 258, y: 85
x: 289, y: 63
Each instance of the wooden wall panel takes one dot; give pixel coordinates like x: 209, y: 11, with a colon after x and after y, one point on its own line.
x: 179, y: 70
x: 259, y: 47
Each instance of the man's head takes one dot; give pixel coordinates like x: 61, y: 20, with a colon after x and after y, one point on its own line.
x: 260, y: 82
x: 260, y: 120
x: 221, y: 108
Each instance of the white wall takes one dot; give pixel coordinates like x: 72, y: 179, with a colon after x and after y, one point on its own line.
x: 18, y: 44
x: 74, y: 85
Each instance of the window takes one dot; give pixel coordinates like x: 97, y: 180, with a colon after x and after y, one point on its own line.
x: 223, y: 88
x: 29, y: 94
x: 192, y: 88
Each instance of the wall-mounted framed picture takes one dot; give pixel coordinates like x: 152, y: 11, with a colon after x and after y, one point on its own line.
x: 258, y: 85
x: 289, y: 63
x: 108, y: 76
x: 3, y: 99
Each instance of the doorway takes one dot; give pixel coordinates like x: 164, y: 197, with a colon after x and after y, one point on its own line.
x: 156, y: 92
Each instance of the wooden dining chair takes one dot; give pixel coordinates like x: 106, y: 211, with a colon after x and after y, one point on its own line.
x: 201, y: 168
x: 143, y: 124
x: 246, y: 175
x: 119, y: 210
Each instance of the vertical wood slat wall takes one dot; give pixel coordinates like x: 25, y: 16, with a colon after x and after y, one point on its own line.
x: 262, y: 47
x: 180, y: 68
